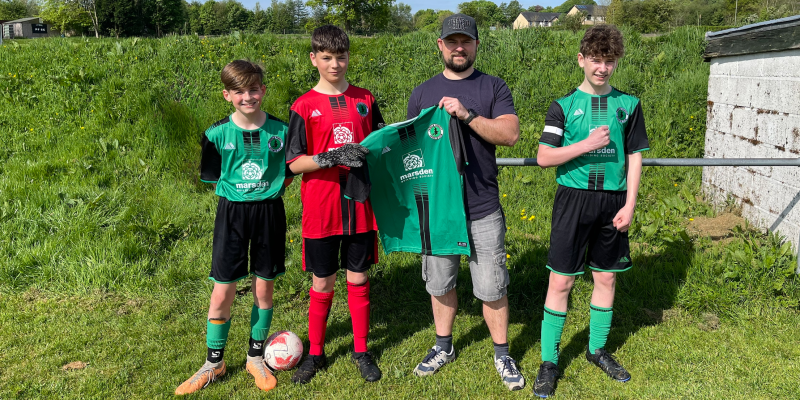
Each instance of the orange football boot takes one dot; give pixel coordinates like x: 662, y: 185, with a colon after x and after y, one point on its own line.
x: 257, y: 367
x: 208, y: 373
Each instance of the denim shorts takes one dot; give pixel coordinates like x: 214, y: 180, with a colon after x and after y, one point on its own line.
x: 487, y: 261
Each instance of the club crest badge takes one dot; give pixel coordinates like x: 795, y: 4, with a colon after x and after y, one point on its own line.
x: 275, y: 144
x: 362, y: 109
x: 622, y: 115
x: 435, y: 131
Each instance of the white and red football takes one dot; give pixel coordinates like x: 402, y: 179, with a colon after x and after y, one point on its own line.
x: 282, y: 350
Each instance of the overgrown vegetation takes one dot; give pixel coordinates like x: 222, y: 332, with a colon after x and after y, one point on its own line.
x: 105, y: 229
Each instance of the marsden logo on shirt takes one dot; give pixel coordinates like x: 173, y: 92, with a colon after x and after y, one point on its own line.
x: 343, y: 132
x: 413, y: 161
x: 252, y: 170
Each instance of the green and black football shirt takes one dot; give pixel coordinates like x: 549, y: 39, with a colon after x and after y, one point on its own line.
x: 246, y: 165
x: 415, y: 170
x: 571, y: 118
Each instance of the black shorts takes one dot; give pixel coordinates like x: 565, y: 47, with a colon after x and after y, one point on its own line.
x: 584, y: 218
x: 358, y: 252
x: 257, y: 227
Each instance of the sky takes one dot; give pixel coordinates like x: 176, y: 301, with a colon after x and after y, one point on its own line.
x: 417, y: 5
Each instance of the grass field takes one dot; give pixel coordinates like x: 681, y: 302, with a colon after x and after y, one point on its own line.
x: 105, y: 231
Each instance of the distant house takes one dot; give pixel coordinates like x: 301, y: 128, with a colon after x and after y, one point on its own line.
x: 529, y: 19
x: 28, y: 28
x: 594, y: 14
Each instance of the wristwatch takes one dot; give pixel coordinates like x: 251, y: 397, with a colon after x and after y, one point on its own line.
x: 472, y: 115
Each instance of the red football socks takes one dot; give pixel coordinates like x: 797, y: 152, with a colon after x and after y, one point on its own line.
x: 358, y: 301
x: 318, y: 309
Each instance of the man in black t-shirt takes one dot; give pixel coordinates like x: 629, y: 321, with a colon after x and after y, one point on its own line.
x: 484, y: 106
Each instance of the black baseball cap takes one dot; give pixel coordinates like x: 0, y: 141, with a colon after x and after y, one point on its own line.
x: 459, y: 23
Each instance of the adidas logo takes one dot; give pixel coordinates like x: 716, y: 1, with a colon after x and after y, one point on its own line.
x: 578, y: 112
x: 230, y: 146
x: 624, y: 260
x: 386, y: 150
x: 316, y: 113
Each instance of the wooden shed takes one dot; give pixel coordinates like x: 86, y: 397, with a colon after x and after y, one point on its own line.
x: 33, y: 27
x: 754, y: 112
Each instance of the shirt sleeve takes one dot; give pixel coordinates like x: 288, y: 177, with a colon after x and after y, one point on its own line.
x: 210, y: 161
x: 413, y: 109
x: 377, y: 117
x: 504, y: 102
x: 296, y: 140
x: 553, y: 134
x: 635, y: 134
x: 358, y: 184
x: 457, y: 144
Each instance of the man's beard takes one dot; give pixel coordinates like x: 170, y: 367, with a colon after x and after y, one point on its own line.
x: 459, y: 67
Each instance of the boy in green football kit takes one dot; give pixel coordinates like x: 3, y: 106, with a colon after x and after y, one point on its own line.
x: 243, y: 155
x: 595, y: 135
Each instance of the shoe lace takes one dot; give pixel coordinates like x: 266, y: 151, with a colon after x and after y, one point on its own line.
x: 510, y: 366
x: 431, y: 355
x: 548, y: 371
x: 608, y: 361
x: 365, y: 359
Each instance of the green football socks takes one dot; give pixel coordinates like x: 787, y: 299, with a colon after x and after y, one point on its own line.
x: 217, y: 333
x: 599, y: 326
x: 260, y: 321
x: 552, y: 326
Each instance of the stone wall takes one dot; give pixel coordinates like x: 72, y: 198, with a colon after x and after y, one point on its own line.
x: 754, y: 112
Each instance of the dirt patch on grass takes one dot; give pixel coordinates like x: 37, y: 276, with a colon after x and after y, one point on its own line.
x: 75, y: 365
x: 709, y: 322
x: 661, y: 315
x: 717, y: 228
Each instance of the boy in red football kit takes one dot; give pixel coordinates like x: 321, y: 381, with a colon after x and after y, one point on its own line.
x: 325, y: 126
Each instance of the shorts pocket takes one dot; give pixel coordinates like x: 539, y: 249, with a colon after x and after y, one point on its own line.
x: 501, y: 276
x: 424, y: 269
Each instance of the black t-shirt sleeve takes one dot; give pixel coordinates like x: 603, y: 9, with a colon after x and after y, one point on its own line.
x: 296, y: 140
x: 635, y: 134
x: 377, y: 117
x: 210, y: 161
x: 504, y: 102
x: 553, y: 134
x: 413, y: 109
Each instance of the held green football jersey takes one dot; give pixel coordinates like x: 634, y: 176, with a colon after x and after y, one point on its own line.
x: 571, y: 118
x: 246, y: 165
x: 415, y: 170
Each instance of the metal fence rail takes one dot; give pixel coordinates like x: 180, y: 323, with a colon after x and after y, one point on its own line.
x: 681, y: 162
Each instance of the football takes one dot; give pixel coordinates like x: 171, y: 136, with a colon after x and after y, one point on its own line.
x: 282, y: 350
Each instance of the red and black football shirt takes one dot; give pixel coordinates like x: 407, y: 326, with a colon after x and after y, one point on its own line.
x: 318, y: 123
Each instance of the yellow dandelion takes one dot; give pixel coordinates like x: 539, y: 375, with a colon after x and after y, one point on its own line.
x: 691, y: 116
x: 31, y: 129
x: 691, y: 129
x: 531, y: 218
x: 508, y: 256
x: 504, y: 195
x: 290, y: 51
x: 81, y: 127
x: 291, y: 241
x: 691, y: 219
x: 508, y: 227
x: 523, y: 217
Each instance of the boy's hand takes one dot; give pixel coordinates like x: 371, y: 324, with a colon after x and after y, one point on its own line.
x: 598, y: 138
x: 454, y: 107
x: 350, y: 155
x: 623, y: 219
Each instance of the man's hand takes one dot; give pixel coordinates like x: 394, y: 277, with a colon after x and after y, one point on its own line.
x: 623, y: 219
x: 454, y: 107
x: 598, y: 138
x: 350, y: 155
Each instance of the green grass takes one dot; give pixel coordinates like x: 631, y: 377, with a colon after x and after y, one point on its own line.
x: 105, y: 230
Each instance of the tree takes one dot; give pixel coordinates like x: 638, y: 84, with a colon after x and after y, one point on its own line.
x: 192, y: 21
x: 401, y: 20
x: 485, y: 12
x: 572, y: 22
x: 615, y: 13
x: 511, y: 11
x: 362, y: 16
x: 261, y: 19
x: 238, y: 17
x: 118, y: 17
x: 164, y: 15
x: 11, y: 9
x: 648, y: 16
x: 537, y: 8
x: 65, y: 14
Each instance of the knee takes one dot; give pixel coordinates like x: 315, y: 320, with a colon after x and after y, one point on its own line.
x: 605, y: 279
x: 219, y: 299
x: 356, y: 278
x: 561, y: 283
x: 323, y: 285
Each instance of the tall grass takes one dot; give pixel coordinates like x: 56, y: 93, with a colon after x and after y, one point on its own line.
x: 98, y: 170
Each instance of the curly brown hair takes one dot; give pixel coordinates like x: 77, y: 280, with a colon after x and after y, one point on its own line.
x: 240, y: 74
x: 603, y: 41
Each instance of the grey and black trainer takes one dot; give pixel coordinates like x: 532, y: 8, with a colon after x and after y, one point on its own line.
x: 608, y: 364
x: 545, y: 384
x: 435, y: 359
x: 369, y: 370
x: 310, y: 366
x: 507, y: 368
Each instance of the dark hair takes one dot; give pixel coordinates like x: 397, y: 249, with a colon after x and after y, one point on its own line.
x: 330, y: 38
x: 603, y: 41
x: 240, y: 74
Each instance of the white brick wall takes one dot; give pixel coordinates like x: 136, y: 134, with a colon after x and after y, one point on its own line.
x: 754, y: 112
